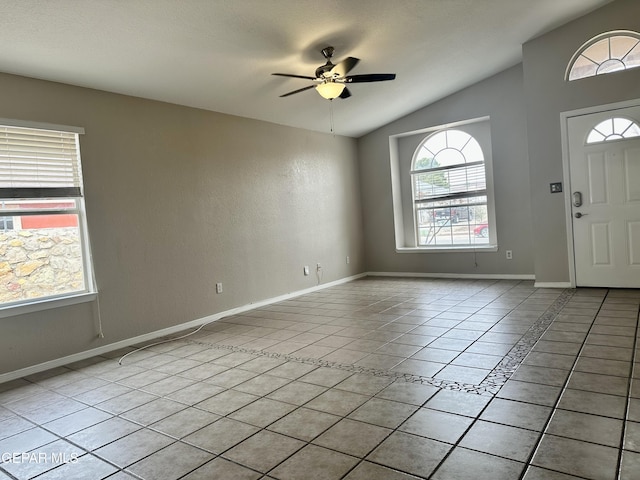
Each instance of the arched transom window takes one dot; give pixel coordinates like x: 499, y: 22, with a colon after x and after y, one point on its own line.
x: 614, y: 128
x: 606, y: 53
x: 450, y: 190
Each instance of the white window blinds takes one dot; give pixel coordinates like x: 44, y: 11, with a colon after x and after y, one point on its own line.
x: 38, y: 163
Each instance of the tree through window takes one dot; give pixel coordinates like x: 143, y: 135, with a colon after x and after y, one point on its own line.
x: 450, y: 190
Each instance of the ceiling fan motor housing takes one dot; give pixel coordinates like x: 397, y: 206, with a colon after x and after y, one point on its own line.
x: 327, y: 52
x: 324, y: 71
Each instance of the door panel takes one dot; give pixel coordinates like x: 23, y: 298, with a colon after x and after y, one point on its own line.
x: 600, y: 244
x: 597, y: 179
x: 606, y: 229
x: 634, y: 243
x: 632, y: 173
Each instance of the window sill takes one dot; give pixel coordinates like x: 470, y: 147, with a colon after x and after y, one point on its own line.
x: 448, y: 249
x: 46, y: 304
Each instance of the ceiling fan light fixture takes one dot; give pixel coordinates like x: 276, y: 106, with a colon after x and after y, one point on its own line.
x: 330, y: 90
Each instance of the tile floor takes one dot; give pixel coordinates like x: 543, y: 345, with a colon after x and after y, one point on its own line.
x: 375, y: 379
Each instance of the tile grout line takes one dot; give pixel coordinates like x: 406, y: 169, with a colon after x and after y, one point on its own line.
x: 529, y: 339
x: 363, y: 370
x: 532, y: 455
x: 634, y: 357
x: 547, y: 323
x: 549, y: 320
x: 522, y: 347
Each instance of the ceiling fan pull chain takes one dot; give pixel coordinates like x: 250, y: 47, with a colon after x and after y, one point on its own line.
x: 331, y: 114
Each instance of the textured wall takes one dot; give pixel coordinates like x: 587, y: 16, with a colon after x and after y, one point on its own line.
x: 178, y: 199
x: 500, y: 98
x: 547, y: 95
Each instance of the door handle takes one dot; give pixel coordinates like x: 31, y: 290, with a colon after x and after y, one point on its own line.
x: 579, y: 215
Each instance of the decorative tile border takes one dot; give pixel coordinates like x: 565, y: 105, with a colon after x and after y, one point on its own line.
x: 512, y: 360
x: 489, y: 386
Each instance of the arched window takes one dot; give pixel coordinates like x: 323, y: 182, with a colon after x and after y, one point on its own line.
x: 606, y: 53
x: 450, y: 190
x: 614, y: 128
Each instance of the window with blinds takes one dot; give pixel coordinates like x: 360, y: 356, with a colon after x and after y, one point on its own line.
x: 450, y: 190
x: 43, y: 229
x: 39, y: 163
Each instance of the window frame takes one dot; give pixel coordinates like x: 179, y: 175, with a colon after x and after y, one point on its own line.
x: 402, y: 147
x: 615, y: 135
x: 589, y: 43
x: 468, y: 194
x: 89, y: 292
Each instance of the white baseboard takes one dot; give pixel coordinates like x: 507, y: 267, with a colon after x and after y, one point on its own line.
x: 76, y: 357
x: 553, y: 285
x: 468, y: 276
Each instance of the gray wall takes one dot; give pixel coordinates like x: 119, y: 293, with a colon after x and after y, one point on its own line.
x: 524, y: 104
x: 179, y: 199
x: 545, y: 60
x: 499, y: 97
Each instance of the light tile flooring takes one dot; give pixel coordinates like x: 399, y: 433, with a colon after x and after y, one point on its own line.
x: 375, y: 379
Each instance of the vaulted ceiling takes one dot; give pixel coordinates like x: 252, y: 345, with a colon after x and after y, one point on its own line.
x: 219, y: 54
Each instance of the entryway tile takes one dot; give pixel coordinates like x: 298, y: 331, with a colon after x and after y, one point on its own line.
x: 170, y: 463
x: 325, y: 465
x: 464, y: 464
x: 570, y: 456
x: 410, y: 453
x: 264, y: 450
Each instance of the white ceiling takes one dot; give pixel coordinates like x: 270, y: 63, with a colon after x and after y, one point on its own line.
x: 218, y: 54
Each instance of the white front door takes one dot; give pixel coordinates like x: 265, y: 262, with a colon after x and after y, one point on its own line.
x: 605, y: 198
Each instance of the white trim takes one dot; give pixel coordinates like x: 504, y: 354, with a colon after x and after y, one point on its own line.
x: 553, y: 285
x: 441, y: 127
x: 46, y: 304
x: 452, y: 249
x: 610, y: 107
x: 41, y: 125
x: 474, y: 276
x: 58, y: 362
x: 566, y: 172
x: 396, y: 180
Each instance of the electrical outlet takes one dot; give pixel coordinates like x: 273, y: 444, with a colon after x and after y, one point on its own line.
x: 509, y: 254
x: 348, y: 259
x: 218, y: 287
x: 306, y: 270
x: 318, y: 267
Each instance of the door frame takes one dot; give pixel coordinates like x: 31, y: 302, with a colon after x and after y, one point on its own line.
x: 566, y: 171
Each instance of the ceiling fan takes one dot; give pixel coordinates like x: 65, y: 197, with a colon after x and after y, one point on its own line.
x: 331, y: 79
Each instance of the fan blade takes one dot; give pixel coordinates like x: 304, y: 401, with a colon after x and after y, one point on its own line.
x: 345, y: 93
x: 344, y: 66
x: 371, y: 77
x: 297, y: 91
x: 293, y: 76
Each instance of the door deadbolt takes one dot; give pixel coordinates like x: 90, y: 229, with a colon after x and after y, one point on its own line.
x: 577, y: 199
